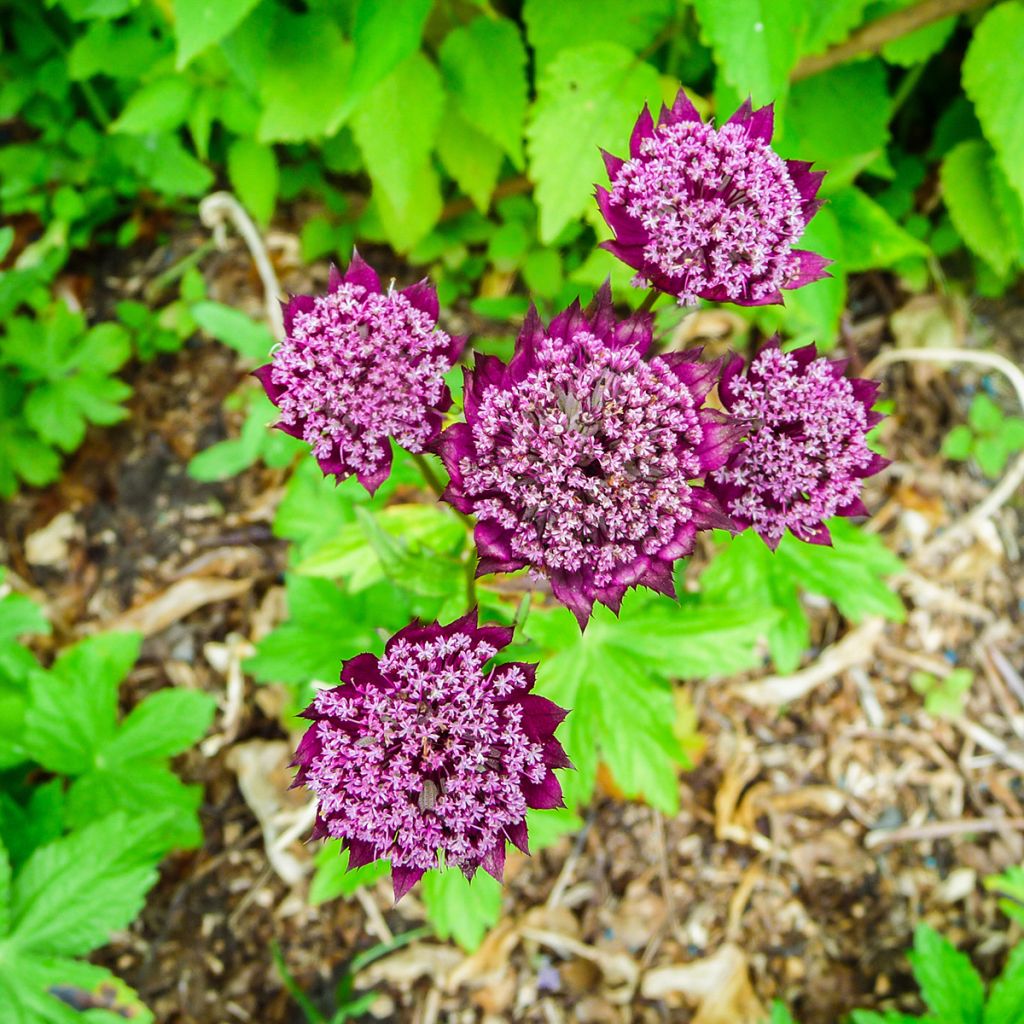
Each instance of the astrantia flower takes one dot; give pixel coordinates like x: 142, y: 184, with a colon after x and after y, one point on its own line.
x: 359, y: 366
x: 577, y: 457
x: 713, y: 213
x: 806, y: 456
x: 427, y: 750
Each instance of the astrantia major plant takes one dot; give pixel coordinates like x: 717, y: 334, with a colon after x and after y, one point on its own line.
x: 590, y: 458
x: 432, y: 750
x: 712, y: 213
x: 577, y: 457
x: 359, y: 366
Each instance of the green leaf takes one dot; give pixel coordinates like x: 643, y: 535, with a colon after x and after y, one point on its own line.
x: 1006, y: 999
x: 958, y: 442
x: 199, y: 24
x: 406, y: 105
x: 20, y: 616
x: 252, y: 171
x: 304, y: 78
x: 993, y: 79
x: 830, y: 22
x: 949, y: 984
x: 984, y: 414
x: 756, y: 42
x: 166, y: 723
x: 871, y: 238
x: 73, y: 892
x: 917, y: 46
x: 159, y: 106
x: 5, y: 891
x: 383, y: 36
x: 615, y: 678
x: 554, y: 25
x: 459, y: 909
x: 234, y: 329
x: 484, y: 67
x: 991, y: 455
x: 546, y: 827
x: 26, y: 827
x: 333, y: 877
x: 587, y: 100
x: 73, y: 708
x: 967, y: 191
x: 839, y: 119
x: 1010, y: 886
x: 470, y: 158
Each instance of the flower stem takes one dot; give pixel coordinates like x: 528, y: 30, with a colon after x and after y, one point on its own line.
x: 429, y: 476
x: 649, y: 300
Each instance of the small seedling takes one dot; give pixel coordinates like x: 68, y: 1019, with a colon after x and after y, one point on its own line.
x: 989, y: 436
x: 944, y: 698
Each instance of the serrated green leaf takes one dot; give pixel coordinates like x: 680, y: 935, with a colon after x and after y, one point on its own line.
x: 949, y: 984
x: 871, y: 238
x: 74, y: 891
x: 484, y: 67
x: 830, y: 22
x: 1009, y: 885
x: 473, y: 160
x: 252, y: 171
x: 383, y: 36
x: 159, y: 106
x: 1006, y: 999
x: 73, y: 707
x: 992, y: 79
x: 968, y: 194
x: 166, y: 723
x: 917, y: 46
x: 546, y: 827
x: 756, y: 42
x: 405, y: 185
x: 459, y: 909
x: 303, y: 79
x: 839, y: 119
x: 20, y: 616
x: 26, y: 826
x: 587, y: 100
x: 199, y: 24
x: 555, y: 25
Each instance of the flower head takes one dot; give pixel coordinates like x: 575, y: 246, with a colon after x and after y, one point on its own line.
x: 359, y: 366
x: 713, y: 213
x: 806, y: 456
x: 577, y: 457
x: 427, y: 750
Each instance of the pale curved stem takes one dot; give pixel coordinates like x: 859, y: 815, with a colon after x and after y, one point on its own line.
x: 220, y: 208
x: 1012, y: 479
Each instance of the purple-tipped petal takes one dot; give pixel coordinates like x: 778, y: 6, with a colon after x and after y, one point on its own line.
x: 423, y: 296
x: 643, y: 129
x: 494, y: 861
x: 546, y: 795
x: 403, y: 879
x: 360, y: 854
x: 360, y: 273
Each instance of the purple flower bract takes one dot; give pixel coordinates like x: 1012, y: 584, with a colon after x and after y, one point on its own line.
x: 713, y: 213
x: 576, y: 458
x: 359, y: 366
x: 806, y: 456
x: 427, y: 750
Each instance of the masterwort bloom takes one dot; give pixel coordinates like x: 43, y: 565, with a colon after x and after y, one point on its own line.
x: 358, y: 366
x: 577, y: 458
x: 806, y: 456
x: 713, y: 213
x: 428, y: 750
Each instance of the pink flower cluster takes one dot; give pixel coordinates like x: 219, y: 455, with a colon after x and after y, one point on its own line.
x: 428, y: 750
x: 710, y: 213
x: 359, y: 366
x: 806, y: 456
x: 576, y: 458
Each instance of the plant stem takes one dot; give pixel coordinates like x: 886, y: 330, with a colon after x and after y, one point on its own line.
x: 649, y: 300
x: 471, y: 566
x: 428, y: 475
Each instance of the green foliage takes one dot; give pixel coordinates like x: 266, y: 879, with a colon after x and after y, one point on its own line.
x: 617, y: 677
x: 72, y: 727
x: 1010, y: 887
x: 64, y: 902
x: 950, y: 987
x: 946, y: 697
x: 989, y: 436
x: 851, y: 573
x: 333, y: 878
x: 460, y: 909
